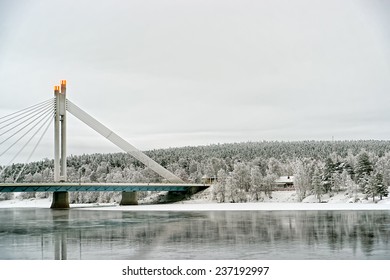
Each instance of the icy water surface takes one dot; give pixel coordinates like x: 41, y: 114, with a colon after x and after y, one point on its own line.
x: 80, y: 234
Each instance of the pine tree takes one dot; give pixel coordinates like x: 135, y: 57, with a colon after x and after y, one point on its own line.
x: 363, y: 165
x: 380, y: 188
x: 327, y: 178
x: 371, y: 187
x: 382, y: 166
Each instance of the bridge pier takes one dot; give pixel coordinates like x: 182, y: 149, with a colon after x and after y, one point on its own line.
x: 129, y: 198
x: 60, y: 200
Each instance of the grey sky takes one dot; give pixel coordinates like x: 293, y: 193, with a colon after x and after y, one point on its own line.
x: 177, y: 73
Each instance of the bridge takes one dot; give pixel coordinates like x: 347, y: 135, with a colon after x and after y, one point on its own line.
x: 56, y: 110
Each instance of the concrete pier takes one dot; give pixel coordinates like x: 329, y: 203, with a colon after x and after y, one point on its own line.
x: 60, y: 200
x: 129, y: 198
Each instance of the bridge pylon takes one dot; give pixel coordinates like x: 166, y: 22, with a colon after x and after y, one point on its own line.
x: 62, y: 106
x: 60, y: 187
x: 60, y: 199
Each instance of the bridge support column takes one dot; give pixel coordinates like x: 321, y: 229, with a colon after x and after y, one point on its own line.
x: 60, y: 200
x: 129, y: 198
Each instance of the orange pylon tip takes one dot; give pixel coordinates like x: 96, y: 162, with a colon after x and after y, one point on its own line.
x: 63, y: 82
x: 56, y: 88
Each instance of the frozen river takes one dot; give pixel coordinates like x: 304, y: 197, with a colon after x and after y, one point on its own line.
x: 36, y: 233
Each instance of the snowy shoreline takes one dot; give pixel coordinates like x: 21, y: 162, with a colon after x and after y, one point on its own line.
x: 280, y: 201
x: 260, y: 206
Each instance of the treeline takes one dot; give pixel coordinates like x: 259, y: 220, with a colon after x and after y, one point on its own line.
x: 245, y: 171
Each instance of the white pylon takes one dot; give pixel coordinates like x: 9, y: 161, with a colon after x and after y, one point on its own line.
x: 62, y: 105
x: 60, y: 133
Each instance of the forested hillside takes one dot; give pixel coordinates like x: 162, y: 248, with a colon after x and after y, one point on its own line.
x: 245, y: 171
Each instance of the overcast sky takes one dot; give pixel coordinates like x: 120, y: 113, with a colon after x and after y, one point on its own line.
x: 178, y: 73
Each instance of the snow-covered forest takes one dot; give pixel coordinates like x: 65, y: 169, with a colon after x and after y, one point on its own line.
x: 244, y: 171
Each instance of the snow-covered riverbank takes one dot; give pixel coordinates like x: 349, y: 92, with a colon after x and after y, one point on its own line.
x: 283, y: 200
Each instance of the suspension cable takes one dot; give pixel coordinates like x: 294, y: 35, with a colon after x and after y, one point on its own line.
x: 17, y: 154
x: 26, y: 110
x: 23, y: 117
x: 26, y: 114
x: 40, y: 114
x: 47, y: 114
x: 48, y: 121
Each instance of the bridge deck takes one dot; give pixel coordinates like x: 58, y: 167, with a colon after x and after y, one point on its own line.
x: 77, y: 187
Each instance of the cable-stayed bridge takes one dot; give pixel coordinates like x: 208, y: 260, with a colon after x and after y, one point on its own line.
x: 32, y: 123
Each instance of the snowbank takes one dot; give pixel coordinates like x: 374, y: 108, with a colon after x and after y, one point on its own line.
x: 32, y: 202
x: 265, y: 206
x: 282, y: 200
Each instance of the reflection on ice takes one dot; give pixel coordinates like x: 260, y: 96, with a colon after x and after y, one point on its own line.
x: 78, y: 234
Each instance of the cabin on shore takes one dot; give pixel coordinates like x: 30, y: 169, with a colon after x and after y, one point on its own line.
x: 284, y: 182
x: 209, y: 180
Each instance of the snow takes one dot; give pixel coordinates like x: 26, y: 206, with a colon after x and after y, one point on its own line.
x: 267, y: 206
x: 19, y: 203
x: 281, y: 200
